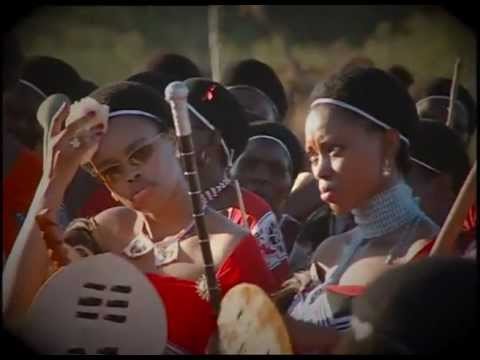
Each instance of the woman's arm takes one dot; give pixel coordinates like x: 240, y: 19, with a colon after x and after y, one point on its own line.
x: 27, y: 266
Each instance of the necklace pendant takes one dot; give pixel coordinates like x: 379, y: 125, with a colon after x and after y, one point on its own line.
x: 166, y: 253
x: 202, y: 288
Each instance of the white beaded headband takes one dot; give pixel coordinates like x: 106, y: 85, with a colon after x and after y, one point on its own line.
x: 344, y: 105
x: 425, y: 165
x: 443, y: 97
x: 278, y: 141
x: 133, y: 112
x: 33, y: 87
x: 209, y: 125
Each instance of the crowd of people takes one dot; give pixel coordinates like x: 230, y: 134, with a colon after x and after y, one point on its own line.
x: 344, y: 221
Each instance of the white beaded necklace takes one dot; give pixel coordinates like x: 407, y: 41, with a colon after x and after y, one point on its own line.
x: 385, y: 213
x: 214, y: 191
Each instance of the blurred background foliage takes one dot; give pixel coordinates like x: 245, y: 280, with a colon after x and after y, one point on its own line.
x: 302, y: 43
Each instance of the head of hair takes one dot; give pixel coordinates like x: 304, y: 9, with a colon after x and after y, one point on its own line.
x: 386, y: 100
x: 441, y: 148
x: 127, y: 95
x: 287, y: 137
x: 402, y: 74
x: 441, y: 87
x: 423, y: 307
x: 51, y: 75
x: 177, y: 66
x: 257, y: 105
x: 221, y: 109
x: 12, y: 60
x: 258, y: 74
x: 84, y: 88
x: 357, y: 61
x: 156, y: 80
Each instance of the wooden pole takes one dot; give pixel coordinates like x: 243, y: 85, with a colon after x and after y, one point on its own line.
x: 214, y: 40
x: 445, y: 243
x: 176, y: 95
x: 453, y: 93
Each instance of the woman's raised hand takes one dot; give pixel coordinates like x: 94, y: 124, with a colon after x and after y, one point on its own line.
x: 66, y: 147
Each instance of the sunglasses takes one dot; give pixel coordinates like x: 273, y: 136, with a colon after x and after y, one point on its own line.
x: 136, y: 158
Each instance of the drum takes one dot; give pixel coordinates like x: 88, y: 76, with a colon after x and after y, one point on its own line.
x: 99, y: 305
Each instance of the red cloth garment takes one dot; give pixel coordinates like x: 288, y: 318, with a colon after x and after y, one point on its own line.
x: 469, y: 234
x: 190, y: 318
x: 98, y: 201
x: 20, y: 181
x: 263, y: 224
x: 470, y: 225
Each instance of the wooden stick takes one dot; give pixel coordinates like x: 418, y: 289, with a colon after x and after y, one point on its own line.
x: 214, y: 40
x: 452, y: 227
x: 176, y: 94
x: 453, y: 93
x: 241, y: 204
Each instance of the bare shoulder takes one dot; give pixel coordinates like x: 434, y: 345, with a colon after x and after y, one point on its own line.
x: 331, y: 248
x: 364, y: 271
x: 115, y: 227
x: 120, y: 217
x: 225, y: 236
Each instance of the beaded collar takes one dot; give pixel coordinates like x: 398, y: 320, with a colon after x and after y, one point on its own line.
x: 387, y: 211
x: 213, y: 192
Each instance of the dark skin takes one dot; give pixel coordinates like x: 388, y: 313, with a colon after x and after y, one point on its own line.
x: 211, y: 162
x: 304, y: 199
x: 434, y: 190
x: 264, y: 168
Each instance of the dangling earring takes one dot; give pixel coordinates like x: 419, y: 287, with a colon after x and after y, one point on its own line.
x: 387, y: 169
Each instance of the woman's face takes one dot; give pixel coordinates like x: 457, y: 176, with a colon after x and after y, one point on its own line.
x: 346, y: 158
x: 138, y: 164
x: 436, y: 197
x: 265, y: 168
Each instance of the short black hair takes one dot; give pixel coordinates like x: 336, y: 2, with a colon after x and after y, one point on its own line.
x: 440, y: 147
x: 52, y: 76
x: 221, y: 109
x: 286, y: 136
x: 178, y: 66
x: 258, y: 95
x: 260, y: 75
x: 84, y: 88
x: 156, y: 80
x: 12, y: 60
x: 402, y: 74
x: 127, y: 95
x: 441, y: 87
x: 379, y: 94
x: 423, y: 307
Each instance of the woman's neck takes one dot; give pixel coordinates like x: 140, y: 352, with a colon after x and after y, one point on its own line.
x: 226, y: 199
x: 387, y: 210
x: 173, y: 217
